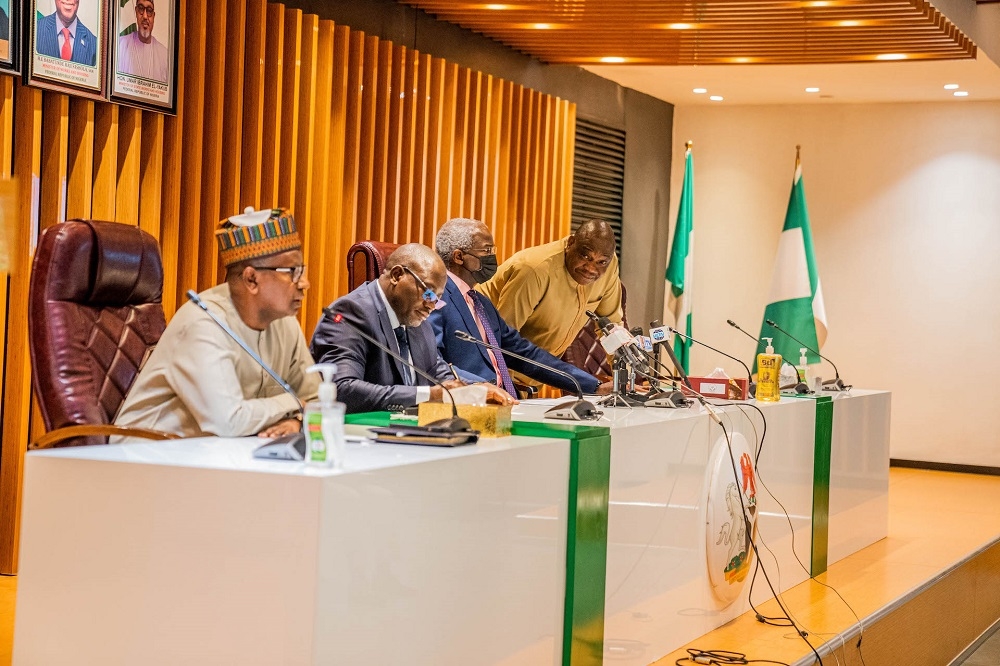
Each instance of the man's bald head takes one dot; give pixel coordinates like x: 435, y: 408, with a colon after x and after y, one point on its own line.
x: 589, y: 251
x: 409, y: 273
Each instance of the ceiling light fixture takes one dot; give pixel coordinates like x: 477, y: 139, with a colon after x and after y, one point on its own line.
x: 951, y: 86
x: 891, y: 56
x: 961, y: 93
x: 541, y: 26
x: 613, y: 60
x: 700, y: 91
x: 812, y: 90
x: 679, y: 26
x: 716, y: 98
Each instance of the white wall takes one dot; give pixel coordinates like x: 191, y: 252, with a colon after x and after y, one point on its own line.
x: 904, y: 201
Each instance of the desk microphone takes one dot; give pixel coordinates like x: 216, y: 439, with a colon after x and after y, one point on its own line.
x: 455, y: 423
x: 798, y: 387
x: 282, y: 447
x: 835, y: 384
x: 751, y: 386
x: 577, y: 410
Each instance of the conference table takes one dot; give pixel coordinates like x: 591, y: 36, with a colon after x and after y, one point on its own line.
x: 566, y: 542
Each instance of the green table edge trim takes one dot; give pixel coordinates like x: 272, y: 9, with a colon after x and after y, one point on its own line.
x: 822, y: 451
x: 586, y: 530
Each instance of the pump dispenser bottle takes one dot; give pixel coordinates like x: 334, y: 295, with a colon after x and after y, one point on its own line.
x: 323, y: 422
x: 803, y: 367
x: 768, y: 374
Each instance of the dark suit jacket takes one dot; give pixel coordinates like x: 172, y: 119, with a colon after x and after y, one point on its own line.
x: 368, y: 379
x: 473, y: 361
x: 84, y: 42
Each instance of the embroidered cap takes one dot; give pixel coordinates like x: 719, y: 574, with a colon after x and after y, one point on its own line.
x: 256, y: 233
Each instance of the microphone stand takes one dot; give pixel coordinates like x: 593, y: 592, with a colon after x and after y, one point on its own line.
x: 835, y: 384
x: 455, y: 424
x: 622, y: 369
x: 577, y: 410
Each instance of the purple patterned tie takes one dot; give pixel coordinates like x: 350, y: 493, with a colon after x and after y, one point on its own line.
x: 502, y: 371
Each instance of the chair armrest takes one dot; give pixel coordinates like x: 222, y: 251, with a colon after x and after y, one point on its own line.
x: 524, y: 391
x: 59, y: 434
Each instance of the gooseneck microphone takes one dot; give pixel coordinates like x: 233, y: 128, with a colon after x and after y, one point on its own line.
x: 455, y: 423
x: 750, y: 383
x: 194, y: 298
x: 737, y: 327
x: 836, y: 383
x: 576, y: 410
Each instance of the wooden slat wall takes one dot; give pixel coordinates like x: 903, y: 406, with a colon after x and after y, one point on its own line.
x: 360, y: 137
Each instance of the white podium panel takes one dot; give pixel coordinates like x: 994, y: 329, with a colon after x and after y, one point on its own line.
x: 194, y: 552
x: 859, y: 471
x: 658, y: 589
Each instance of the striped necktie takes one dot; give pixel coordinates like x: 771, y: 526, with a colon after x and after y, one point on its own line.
x: 502, y: 373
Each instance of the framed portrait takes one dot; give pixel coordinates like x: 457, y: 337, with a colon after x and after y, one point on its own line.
x: 10, y: 36
x: 144, y: 49
x: 67, y: 49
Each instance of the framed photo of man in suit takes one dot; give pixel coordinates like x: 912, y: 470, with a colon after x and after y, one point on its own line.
x: 10, y: 36
x: 67, y: 50
x: 144, y: 46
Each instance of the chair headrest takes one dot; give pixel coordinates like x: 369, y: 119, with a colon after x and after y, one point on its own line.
x: 104, y: 263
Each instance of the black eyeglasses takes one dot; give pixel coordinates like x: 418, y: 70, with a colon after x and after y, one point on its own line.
x: 295, y: 272
x: 428, y: 294
x: 148, y: 11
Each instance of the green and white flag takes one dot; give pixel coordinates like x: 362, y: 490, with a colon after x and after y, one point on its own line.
x: 796, y: 298
x: 680, y: 269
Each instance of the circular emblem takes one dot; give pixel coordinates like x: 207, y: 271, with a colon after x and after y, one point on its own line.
x: 730, y: 531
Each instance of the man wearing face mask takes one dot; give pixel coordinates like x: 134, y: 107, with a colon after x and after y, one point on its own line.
x: 466, y: 247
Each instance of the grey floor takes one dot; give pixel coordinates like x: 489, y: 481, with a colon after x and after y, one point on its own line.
x: 988, y: 653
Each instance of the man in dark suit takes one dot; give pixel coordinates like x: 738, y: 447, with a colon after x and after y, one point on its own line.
x: 61, y: 34
x: 466, y: 247
x: 393, y: 310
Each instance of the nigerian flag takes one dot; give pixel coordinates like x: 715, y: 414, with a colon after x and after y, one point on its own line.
x: 796, y: 299
x: 679, y: 268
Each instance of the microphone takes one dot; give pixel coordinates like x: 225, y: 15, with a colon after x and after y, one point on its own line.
x: 298, y: 439
x: 836, y: 384
x: 751, y: 387
x: 737, y: 327
x: 578, y: 410
x: 615, y: 339
x: 455, y: 423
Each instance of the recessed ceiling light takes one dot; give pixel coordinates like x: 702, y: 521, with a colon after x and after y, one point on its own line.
x: 818, y: 3
x: 951, y: 86
x: 891, y: 56
x: 541, y: 26
x: 700, y: 91
x: 679, y: 26
x: 716, y: 98
x: 848, y: 24
x: 961, y: 93
x: 497, y: 6
x: 813, y: 90
x: 613, y: 59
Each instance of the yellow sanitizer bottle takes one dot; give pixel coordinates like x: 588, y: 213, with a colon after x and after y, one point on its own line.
x: 768, y: 374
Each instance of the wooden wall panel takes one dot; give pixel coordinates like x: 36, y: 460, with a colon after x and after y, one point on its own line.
x: 55, y: 157
x: 340, y: 235
x: 360, y: 137
x: 290, y: 102
x: 303, y: 168
x: 274, y: 56
x: 80, y: 184
x: 127, y: 166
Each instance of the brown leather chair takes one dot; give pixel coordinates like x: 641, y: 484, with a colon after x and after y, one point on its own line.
x: 94, y: 313
x: 366, y: 261
x: 586, y: 352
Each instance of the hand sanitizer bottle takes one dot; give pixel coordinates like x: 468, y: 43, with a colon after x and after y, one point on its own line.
x: 803, y: 367
x: 768, y: 373
x: 323, y: 423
